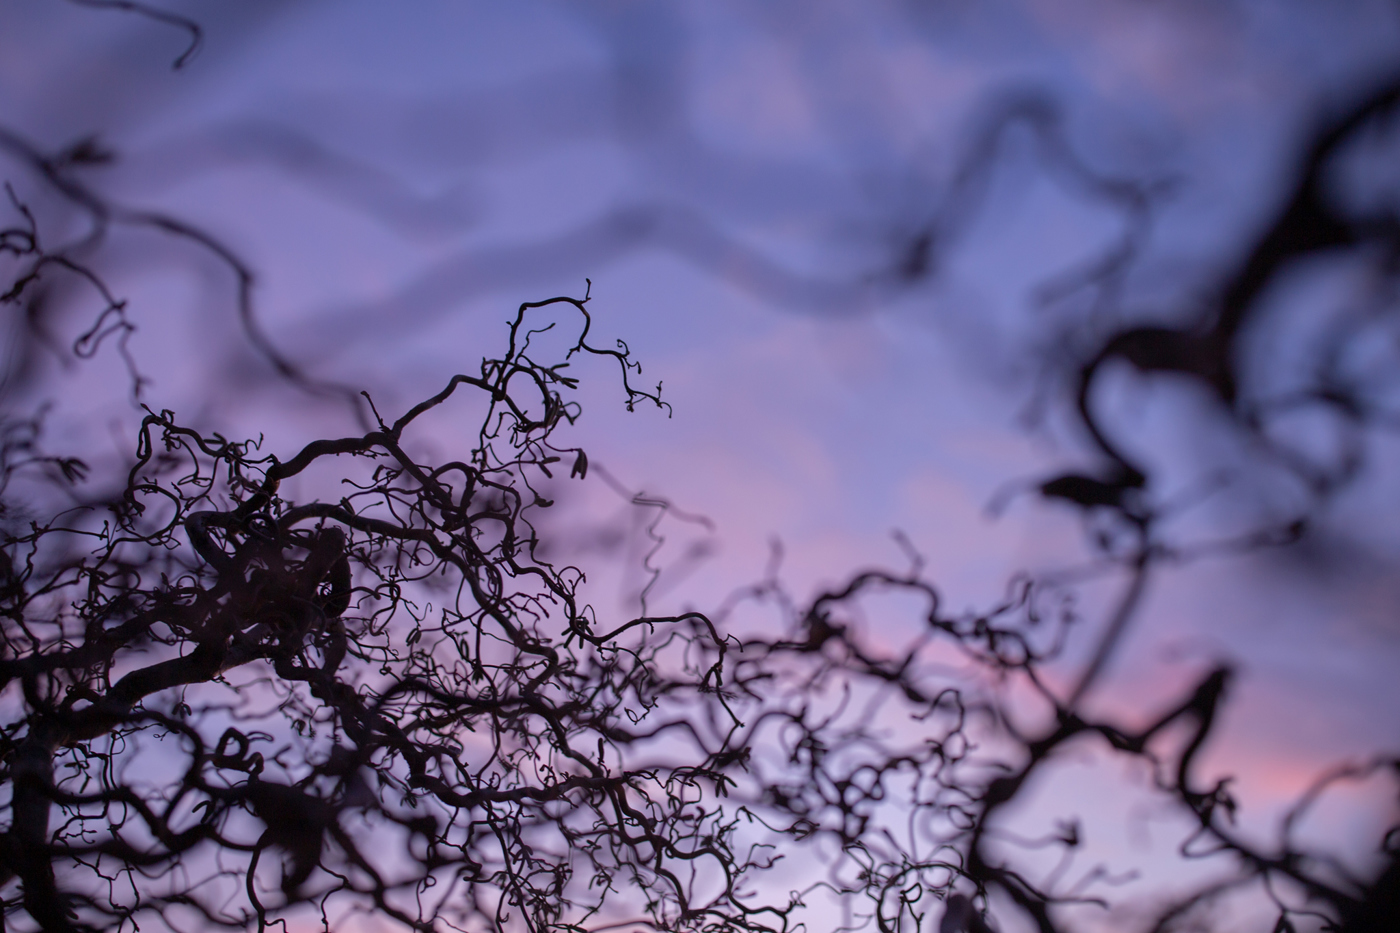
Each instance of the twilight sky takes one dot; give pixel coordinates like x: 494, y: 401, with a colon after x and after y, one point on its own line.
x: 766, y: 199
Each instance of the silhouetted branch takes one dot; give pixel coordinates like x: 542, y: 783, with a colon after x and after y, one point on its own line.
x: 161, y: 16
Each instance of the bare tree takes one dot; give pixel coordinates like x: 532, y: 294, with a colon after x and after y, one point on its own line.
x: 248, y: 687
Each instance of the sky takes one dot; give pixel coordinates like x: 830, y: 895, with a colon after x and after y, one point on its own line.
x: 746, y: 185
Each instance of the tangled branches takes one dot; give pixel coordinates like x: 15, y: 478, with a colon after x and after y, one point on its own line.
x: 913, y: 769
x: 234, y: 698
x: 353, y: 685
x: 223, y: 702
x: 246, y: 691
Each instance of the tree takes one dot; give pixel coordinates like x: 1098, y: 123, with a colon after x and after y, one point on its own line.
x: 250, y: 686
x: 475, y: 733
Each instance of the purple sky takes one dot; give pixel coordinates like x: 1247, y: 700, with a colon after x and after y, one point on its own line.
x: 741, y: 181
